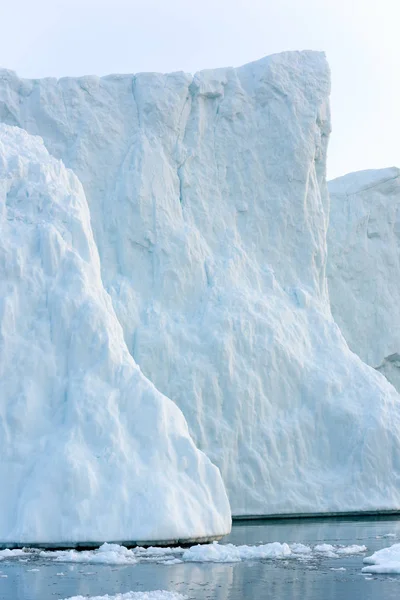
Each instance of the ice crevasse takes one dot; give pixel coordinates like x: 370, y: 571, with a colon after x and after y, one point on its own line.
x: 209, y: 208
x: 90, y: 450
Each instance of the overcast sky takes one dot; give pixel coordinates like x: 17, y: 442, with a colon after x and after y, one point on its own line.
x: 361, y: 38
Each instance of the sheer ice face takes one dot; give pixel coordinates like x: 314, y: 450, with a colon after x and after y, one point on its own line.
x: 90, y: 450
x: 364, y: 265
x: 209, y: 207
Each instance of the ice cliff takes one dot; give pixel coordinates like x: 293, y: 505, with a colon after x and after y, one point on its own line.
x: 90, y: 450
x: 364, y: 265
x: 209, y: 207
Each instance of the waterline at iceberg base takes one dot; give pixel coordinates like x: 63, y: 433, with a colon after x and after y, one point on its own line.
x: 209, y: 206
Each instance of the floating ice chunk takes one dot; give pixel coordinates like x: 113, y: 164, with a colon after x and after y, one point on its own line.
x: 326, y: 549
x: 229, y: 553
x: 114, y: 554
x: 354, y: 549
x: 110, y: 554
x: 300, y: 549
x: 333, y: 551
x: 10, y: 553
x: 383, y: 561
x: 156, y: 595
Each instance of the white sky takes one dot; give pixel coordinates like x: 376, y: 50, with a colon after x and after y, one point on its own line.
x: 41, y: 38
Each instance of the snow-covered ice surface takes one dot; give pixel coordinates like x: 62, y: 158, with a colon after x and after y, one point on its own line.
x: 384, y: 561
x: 155, y: 595
x: 364, y: 265
x: 90, y: 450
x: 209, y: 206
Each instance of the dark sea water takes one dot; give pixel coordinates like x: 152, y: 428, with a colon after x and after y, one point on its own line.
x: 282, y: 579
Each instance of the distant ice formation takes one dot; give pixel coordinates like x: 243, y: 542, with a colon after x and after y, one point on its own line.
x: 209, y: 207
x: 364, y: 265
x: 90, y: 450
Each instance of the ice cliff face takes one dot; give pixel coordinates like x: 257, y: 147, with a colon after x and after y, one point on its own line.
x: 364, y: 265
x: 209, y: 206
x: 90, y: 450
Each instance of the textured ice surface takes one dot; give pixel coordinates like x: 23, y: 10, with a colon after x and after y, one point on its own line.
x: 364, y: 265
x: 386, y: 560
x: 90, y: 450
x: 209, y: 206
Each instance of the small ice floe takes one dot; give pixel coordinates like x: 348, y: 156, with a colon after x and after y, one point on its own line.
x: 326, y: 549
x: 109, y: 554
x: 229, y: 553
x: 338, y: 569
x: 354, y: 549
x: 300, y: 549
x: 384, y: 561
x: 33, y: 570
x: 10, y: 553
x: 330, y: 551
x: 156, y: 595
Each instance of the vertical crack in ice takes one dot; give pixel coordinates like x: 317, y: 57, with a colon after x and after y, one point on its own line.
x: 134, y: 83
x: 180, y: 139
x: 219, y: 101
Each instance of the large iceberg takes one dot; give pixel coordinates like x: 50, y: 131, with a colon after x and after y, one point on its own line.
x: 364, y: 265
x: 209, y: 207
x: 90, y: 450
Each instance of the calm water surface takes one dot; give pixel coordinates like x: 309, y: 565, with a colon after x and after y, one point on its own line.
x: 259, y: 580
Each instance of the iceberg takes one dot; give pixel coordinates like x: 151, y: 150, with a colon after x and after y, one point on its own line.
x: 364, y: 265
x: 209, y: 207
x: 90, y: 450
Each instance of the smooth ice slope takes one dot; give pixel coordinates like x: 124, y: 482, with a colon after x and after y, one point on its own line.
x: 90, y: 450
x: 364, y: 265
x: 209, y: 207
